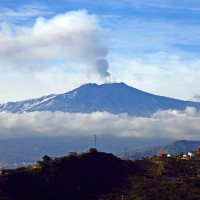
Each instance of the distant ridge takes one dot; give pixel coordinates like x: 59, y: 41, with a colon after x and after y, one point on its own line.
x: 114, y: 98
x: 174, y: 148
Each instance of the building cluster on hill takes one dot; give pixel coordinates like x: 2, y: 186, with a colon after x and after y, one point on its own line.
x: 185, y: 156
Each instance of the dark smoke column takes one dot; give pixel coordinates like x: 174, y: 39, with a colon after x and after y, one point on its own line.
x: 102, y: 67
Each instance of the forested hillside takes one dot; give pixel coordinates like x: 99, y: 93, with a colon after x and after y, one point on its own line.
x: 101, y: 176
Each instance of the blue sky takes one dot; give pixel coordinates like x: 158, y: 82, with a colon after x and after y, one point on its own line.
x: 151, y: 45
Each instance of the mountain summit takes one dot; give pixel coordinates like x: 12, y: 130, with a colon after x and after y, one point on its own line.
x: 114, y: 98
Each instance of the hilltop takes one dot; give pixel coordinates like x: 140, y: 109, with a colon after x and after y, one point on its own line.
x: 76, y: 176
x: 101, y: 176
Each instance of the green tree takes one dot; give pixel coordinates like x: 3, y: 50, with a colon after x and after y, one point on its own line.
x: 46, y: 158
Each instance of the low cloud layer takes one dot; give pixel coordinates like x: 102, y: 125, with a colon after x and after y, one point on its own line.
x: 74, y: 36
x: 171, y: 124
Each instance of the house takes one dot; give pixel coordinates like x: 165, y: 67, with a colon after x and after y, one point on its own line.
x: 54, y: 159
x: 190, y: 154
x: 197, y: 156
x: 168, y: 155
x: 161, y: 154
x: 36, y: 165
x: 185, y: 157
x: 198, y: 151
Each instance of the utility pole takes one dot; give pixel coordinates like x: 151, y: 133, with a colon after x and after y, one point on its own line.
x: 95, y: 141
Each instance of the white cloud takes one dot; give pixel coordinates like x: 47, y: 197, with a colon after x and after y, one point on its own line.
x: 23, y: 13
x: 179, y: 7
x: 38, y: 50
x: 171, y: 124
x: 160, y: 73
x: 75, y: 35
x: 141, y: 5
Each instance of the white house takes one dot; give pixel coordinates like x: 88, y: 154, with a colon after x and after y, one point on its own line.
x: 191, y: 154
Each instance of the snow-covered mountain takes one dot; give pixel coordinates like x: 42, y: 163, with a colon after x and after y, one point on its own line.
x: 114, y: 98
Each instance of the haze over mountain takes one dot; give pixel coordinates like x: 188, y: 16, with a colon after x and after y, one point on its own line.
x: 20, y: 151
x: 114, y: 98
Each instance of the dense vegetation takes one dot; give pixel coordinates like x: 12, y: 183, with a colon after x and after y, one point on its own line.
x: 101, y: 176
x: 83, y: 176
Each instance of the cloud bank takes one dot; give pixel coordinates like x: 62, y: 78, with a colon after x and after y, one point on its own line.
x: 171, y: 124
x: 75, y: 35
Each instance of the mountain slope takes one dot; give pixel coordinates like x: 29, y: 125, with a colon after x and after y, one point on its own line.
x: 114, y: 98
x: 174, y: 148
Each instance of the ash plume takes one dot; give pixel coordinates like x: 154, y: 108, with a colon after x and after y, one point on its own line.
x: 102, y: 67
x: 75, y: 36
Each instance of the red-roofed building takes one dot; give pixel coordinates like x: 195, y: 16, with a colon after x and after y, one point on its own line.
x: 198, y: 151
x: 161, y: 154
